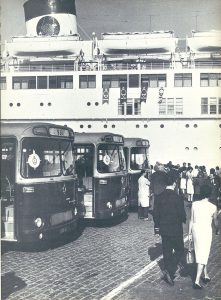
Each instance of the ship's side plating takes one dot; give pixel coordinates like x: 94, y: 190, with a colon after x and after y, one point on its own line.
x: 135, y: 84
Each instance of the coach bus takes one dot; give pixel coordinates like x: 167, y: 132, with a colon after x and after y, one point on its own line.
x: 102, y: 174
x: 38, y: 186
x: 136, y: 152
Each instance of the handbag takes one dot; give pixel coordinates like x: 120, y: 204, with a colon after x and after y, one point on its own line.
x: 190, y: 256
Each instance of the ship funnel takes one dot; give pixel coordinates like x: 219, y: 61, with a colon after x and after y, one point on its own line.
x: 50, y: 17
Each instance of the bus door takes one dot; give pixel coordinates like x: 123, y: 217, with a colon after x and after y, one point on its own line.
x: 84, y: 165
x: 138, y: 161
x: 8, y: 165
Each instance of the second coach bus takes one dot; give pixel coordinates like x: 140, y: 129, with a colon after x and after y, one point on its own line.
x: 102, y: 174
x: 38, y: 186
x: 136, y: 152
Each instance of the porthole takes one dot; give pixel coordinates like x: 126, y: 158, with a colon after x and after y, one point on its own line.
x: 195, y: 125
x: 219, y: 125
x: 49, y: 103
x: 145, y: 126
x: 187, y: 148
x: 113, y: 126
x: 187, y: 125
x: 96, y: 103
x: 195, y: 148
x: 41, y: 104
x: 11, y: 104
x: 161, y: 126
x: 18, y: 104
x: 137, y: 126
x: 81, y: 126
x: 88, y: 103
x: 89, y: 126
x: 105, y: 126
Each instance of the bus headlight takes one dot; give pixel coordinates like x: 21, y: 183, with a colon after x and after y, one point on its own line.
x: 38, y: 222
x: 109, y: 205
x: 75, y: 211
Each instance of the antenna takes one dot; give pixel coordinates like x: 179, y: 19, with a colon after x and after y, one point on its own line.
x: 196, y: 17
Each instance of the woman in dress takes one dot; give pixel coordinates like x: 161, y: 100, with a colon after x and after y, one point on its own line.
x: 203, y: 213
x: 143, y: 195
x: 189, y: 184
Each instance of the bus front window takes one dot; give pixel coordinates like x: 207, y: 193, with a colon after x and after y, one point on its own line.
x: 138, y: 159
x: 46, y: 157
x: 110, y: 158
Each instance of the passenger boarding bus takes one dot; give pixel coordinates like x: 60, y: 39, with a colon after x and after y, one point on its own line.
x: 38, y: 186
x: 136, y: 152
x: 101, y: 170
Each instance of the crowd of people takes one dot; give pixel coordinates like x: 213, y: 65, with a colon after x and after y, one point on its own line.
x: 170, y: 186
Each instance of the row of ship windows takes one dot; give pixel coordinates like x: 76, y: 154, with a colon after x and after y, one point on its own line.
x: 168, y: 106
x: 110, y: 81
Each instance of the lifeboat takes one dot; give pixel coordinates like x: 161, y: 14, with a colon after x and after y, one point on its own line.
x: 205, y: 41
x: 44, y: 46
x: 137, y: 43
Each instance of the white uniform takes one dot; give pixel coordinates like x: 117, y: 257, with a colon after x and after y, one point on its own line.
x: 143, y: 192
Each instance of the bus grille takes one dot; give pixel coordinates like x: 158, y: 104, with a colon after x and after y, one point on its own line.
x: 61, y: 217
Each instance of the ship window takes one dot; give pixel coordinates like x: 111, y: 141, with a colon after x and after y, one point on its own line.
x: 87, y: 81
x: 154, y: 80
x: 133, y: 80
x: 42, y: 82
x: 113, y: 81
x: 204, y: 80
x: 212, y: 106
x: 60, y: 82
x: 2, y: 83
x: 204, y: 105
x: 162, y: 107
x: 210, y: 79
x: 183, y: 80
x: 171, y: 106
x: 131, y: 107
x: 24, y: 82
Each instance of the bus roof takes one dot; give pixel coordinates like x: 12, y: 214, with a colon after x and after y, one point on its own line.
x: 97, y: 137
x: 26, y: 129
x: 136, y: 142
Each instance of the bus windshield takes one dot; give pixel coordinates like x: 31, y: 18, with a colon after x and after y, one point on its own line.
x: 46, y: 157
x: 110, y: 158
x: 138, y: 158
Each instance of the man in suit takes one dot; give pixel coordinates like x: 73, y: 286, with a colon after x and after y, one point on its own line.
x: 169, y: 215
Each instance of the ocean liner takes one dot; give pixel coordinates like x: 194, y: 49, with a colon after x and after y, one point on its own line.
x: 139, y: 84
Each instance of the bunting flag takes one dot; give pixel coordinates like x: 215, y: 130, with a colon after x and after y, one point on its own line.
x: 123, y: 92
x: 161, y: 92
x: 143, y: 92
x: 105, y: 95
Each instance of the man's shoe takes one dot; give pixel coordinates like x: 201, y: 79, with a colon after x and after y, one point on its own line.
x: 205, y: 279
x: 197, y: 286
x: 168, y: 279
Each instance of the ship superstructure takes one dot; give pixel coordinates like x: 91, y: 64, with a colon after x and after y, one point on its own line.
x: 133, y: 83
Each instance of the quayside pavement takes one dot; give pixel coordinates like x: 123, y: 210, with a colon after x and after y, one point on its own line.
x: 120, y: 261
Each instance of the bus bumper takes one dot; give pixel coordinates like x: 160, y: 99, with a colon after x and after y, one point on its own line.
x: 48, y: 233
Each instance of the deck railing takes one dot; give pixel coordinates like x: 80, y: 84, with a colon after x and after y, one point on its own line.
x: 104, y: 66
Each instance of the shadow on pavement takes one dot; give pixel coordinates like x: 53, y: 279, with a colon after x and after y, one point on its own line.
x: 10, y: 283
x: 44, y: 245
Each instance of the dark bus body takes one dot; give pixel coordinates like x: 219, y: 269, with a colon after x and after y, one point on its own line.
x: 136, y: 152
x: 38, y: 187
x: 101, y: 170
